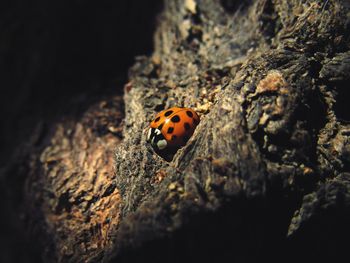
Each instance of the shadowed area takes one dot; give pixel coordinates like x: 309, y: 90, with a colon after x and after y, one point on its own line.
x: 58, y: 59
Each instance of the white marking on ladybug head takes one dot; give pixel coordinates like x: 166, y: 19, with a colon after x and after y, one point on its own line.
x: 157, y: 132
x: 149, y: 134
x: 161, y: 144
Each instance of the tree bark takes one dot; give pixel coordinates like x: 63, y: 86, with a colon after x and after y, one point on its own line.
x: 266, y: 173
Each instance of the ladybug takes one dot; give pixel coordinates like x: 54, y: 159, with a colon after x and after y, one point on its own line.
x: 171, y: 128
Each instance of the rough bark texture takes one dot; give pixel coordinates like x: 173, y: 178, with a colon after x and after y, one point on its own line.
x: 266, y: 173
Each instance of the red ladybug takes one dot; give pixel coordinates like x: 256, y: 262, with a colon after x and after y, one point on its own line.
x: 172, y: 128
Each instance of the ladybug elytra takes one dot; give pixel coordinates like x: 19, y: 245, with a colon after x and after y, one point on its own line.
x: 172, y: 128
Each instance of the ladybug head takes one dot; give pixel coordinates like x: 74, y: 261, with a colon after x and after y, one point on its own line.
x: 156, y: 138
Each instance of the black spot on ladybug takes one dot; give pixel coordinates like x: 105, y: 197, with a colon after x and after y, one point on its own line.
x: 168, y: 113
x: 157, y: 119
x: 176, y: 118
x: 170, y: 130
x: 187, y: 126
x: 189, y: 113
x: 173, y: 138
x: 160, y: 126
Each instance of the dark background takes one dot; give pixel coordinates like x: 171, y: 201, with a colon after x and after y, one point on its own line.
x: 57, y: 53
x: 56, y: 58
